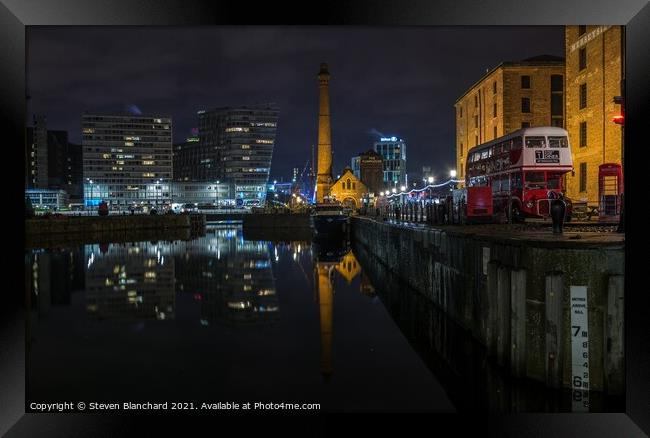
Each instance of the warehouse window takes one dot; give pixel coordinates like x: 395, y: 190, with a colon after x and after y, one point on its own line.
x: 525, y: 105
x: 583, y: 96
x: 582, y: 56
x: 525, y: 81
x: 583, y: 177
x: 583, y: 134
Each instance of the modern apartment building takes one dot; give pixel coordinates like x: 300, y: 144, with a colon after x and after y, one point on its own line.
x: 127, y: 159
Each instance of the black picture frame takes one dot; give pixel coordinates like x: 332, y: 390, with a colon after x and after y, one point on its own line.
x: 15, y: 15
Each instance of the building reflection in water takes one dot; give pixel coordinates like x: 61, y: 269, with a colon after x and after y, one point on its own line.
x: 130, y: 281
x: 51, y: 277
x: 231, y: 278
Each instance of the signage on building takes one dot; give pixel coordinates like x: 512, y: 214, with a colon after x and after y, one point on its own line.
x: 389, y: 139
x: 588, y: 37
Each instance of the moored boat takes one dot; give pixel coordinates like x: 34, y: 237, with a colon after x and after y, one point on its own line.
x: 329, y: 220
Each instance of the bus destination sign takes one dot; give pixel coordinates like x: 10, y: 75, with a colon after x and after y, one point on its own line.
x: 546, y: 156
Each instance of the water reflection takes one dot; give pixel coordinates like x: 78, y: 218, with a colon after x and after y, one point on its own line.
x: 250, y: 320
x: 129, y: 281
x: 230, y: 277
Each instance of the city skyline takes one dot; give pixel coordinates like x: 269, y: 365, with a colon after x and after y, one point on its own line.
x: 381, y: 82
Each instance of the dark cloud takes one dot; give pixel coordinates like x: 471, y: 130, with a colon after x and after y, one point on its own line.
x: 399, y: 81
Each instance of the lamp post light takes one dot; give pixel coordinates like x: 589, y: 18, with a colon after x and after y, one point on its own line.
x: 452, y: 174
x: 90, y: 183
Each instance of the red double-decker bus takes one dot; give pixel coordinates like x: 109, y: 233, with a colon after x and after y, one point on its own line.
x: 523, y: 169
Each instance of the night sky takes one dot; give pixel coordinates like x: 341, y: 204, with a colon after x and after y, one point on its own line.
x: 400, y: 81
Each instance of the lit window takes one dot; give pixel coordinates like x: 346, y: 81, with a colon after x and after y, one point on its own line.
x: 237, y: 129
x: 246, y: 158
x: 148, y: 162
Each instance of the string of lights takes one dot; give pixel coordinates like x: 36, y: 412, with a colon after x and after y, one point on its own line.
x: 388, y: 194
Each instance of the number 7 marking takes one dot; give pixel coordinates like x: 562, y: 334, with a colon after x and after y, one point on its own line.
x: 577, y: 327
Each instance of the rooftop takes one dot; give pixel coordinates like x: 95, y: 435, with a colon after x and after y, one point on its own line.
x: 535, y: 61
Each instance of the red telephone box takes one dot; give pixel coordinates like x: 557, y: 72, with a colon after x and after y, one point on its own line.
x: 610, y: 189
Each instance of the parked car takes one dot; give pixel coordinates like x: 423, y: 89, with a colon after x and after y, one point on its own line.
x: 188, y: 208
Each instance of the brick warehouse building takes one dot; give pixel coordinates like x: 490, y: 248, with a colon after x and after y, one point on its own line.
x: 594, y: 69
x: 511, y: 96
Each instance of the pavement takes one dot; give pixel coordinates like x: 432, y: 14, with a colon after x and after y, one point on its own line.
x: 575, y: 235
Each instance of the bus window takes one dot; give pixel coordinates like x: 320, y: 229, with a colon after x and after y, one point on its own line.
x: 506, y: 146
x: 535, y: 180
x: 558, y: 142
x: 484, y: 155
x: 554, y: 180
x: 516, y: 143
x: 496, y: 184
x: 535, y: 142
x: 505, y: 183
x: 516, y: 181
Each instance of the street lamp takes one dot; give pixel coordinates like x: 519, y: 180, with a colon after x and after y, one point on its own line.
x: 216, y: 194
x: 90, y: 182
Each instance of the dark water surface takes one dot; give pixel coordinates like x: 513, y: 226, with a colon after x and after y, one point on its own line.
x: 222, y: 318
x: 218, y: 319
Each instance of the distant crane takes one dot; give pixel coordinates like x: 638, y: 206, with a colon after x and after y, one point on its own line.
x: 306, y: 181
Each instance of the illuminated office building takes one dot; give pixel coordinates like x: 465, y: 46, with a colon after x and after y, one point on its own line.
x: 127, y: 159
x: 393, y: 152
x: 186, y: 158
x: 236, y: 147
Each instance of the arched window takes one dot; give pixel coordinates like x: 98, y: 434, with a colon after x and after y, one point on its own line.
x: 348, y: 183
x: 354, y: 186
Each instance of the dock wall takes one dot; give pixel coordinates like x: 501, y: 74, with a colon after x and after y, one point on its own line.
x: 513, y: 294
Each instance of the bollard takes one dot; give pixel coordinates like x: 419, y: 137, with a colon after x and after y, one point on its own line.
x: 558, y: 210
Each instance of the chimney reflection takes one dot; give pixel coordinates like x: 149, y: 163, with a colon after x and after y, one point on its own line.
x: 330, y: 256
